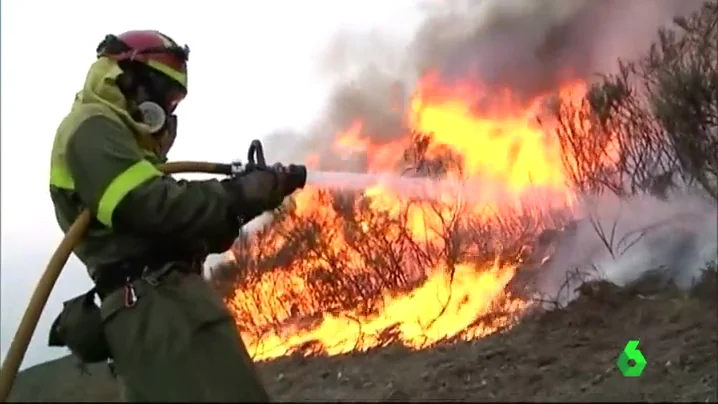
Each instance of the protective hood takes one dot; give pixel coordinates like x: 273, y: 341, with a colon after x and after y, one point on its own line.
x: 100, y: 87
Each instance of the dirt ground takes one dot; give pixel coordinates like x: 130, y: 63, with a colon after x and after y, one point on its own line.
x: 563, y: 355
x: 566, y: 355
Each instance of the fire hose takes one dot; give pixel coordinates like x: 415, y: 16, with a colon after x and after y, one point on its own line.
x: 75, y: 234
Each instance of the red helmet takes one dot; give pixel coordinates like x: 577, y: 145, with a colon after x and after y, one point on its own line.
x: 153, y: 49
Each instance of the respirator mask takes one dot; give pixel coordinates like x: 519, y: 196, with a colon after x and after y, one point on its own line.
x: 162, y: 126
x: 159, y: 116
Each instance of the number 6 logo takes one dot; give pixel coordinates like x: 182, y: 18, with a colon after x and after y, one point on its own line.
x: 631, y: 353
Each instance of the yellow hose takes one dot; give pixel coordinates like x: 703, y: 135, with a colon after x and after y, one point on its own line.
x: 59, y: 258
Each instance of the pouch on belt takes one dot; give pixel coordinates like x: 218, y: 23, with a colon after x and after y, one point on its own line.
x: 79, y: 327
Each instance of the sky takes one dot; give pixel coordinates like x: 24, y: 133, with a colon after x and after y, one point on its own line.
x: 253, y: 68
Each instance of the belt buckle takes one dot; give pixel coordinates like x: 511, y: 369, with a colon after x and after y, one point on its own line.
x: 149, y: 277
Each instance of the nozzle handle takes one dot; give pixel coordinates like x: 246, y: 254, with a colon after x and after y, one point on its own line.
x: 255, y: 154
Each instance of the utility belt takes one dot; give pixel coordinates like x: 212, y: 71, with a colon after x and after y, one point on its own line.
x: 110, y: 278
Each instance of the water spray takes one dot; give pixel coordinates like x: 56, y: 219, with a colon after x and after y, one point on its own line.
x: 349, y: 181
x: 476, y: 190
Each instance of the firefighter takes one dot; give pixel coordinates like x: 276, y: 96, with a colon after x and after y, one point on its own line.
x: 169, y: 335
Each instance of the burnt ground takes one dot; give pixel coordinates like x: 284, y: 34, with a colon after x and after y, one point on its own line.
x: 562, y: 355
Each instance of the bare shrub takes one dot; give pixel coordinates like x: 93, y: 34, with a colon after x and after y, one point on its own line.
x: 655, y: 121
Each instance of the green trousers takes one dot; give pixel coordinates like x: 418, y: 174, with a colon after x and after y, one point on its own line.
x: 178, y: 343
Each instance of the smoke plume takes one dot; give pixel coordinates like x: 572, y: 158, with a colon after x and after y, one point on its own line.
x: 526, y: 45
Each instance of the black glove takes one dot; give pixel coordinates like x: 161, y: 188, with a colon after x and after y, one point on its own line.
x: 263, y: 189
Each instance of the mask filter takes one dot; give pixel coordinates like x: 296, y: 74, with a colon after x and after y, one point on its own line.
x: 152, y: 115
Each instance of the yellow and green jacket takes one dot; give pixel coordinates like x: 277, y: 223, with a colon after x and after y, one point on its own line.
x: 102, y: 159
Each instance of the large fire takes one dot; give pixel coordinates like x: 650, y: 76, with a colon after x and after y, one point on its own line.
x: 337, y: 273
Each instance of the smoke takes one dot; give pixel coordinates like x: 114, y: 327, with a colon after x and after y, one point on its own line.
x: 620, y: 240
x: 526, y: 45
x: 531, y: 46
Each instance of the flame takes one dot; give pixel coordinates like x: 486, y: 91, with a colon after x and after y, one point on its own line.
x: 416, y: 285
x: 448, y: 308
x: 503, y: 143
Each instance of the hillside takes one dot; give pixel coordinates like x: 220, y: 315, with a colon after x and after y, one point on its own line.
x: 562, y: 355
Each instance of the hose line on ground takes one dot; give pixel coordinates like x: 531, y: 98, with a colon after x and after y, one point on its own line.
x: 57, y: 262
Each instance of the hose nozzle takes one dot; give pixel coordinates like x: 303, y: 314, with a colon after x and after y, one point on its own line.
x: 297, y: 177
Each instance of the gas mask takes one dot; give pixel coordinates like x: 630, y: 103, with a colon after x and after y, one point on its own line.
x: 153, y: 115
x: 161, y: 96
x: 162, y: 126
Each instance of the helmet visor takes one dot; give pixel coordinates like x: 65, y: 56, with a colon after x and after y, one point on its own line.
x: 164, y: 90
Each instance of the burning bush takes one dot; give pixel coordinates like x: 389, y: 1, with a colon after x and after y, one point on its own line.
x: 346, y: 270
x: 332, y: 260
